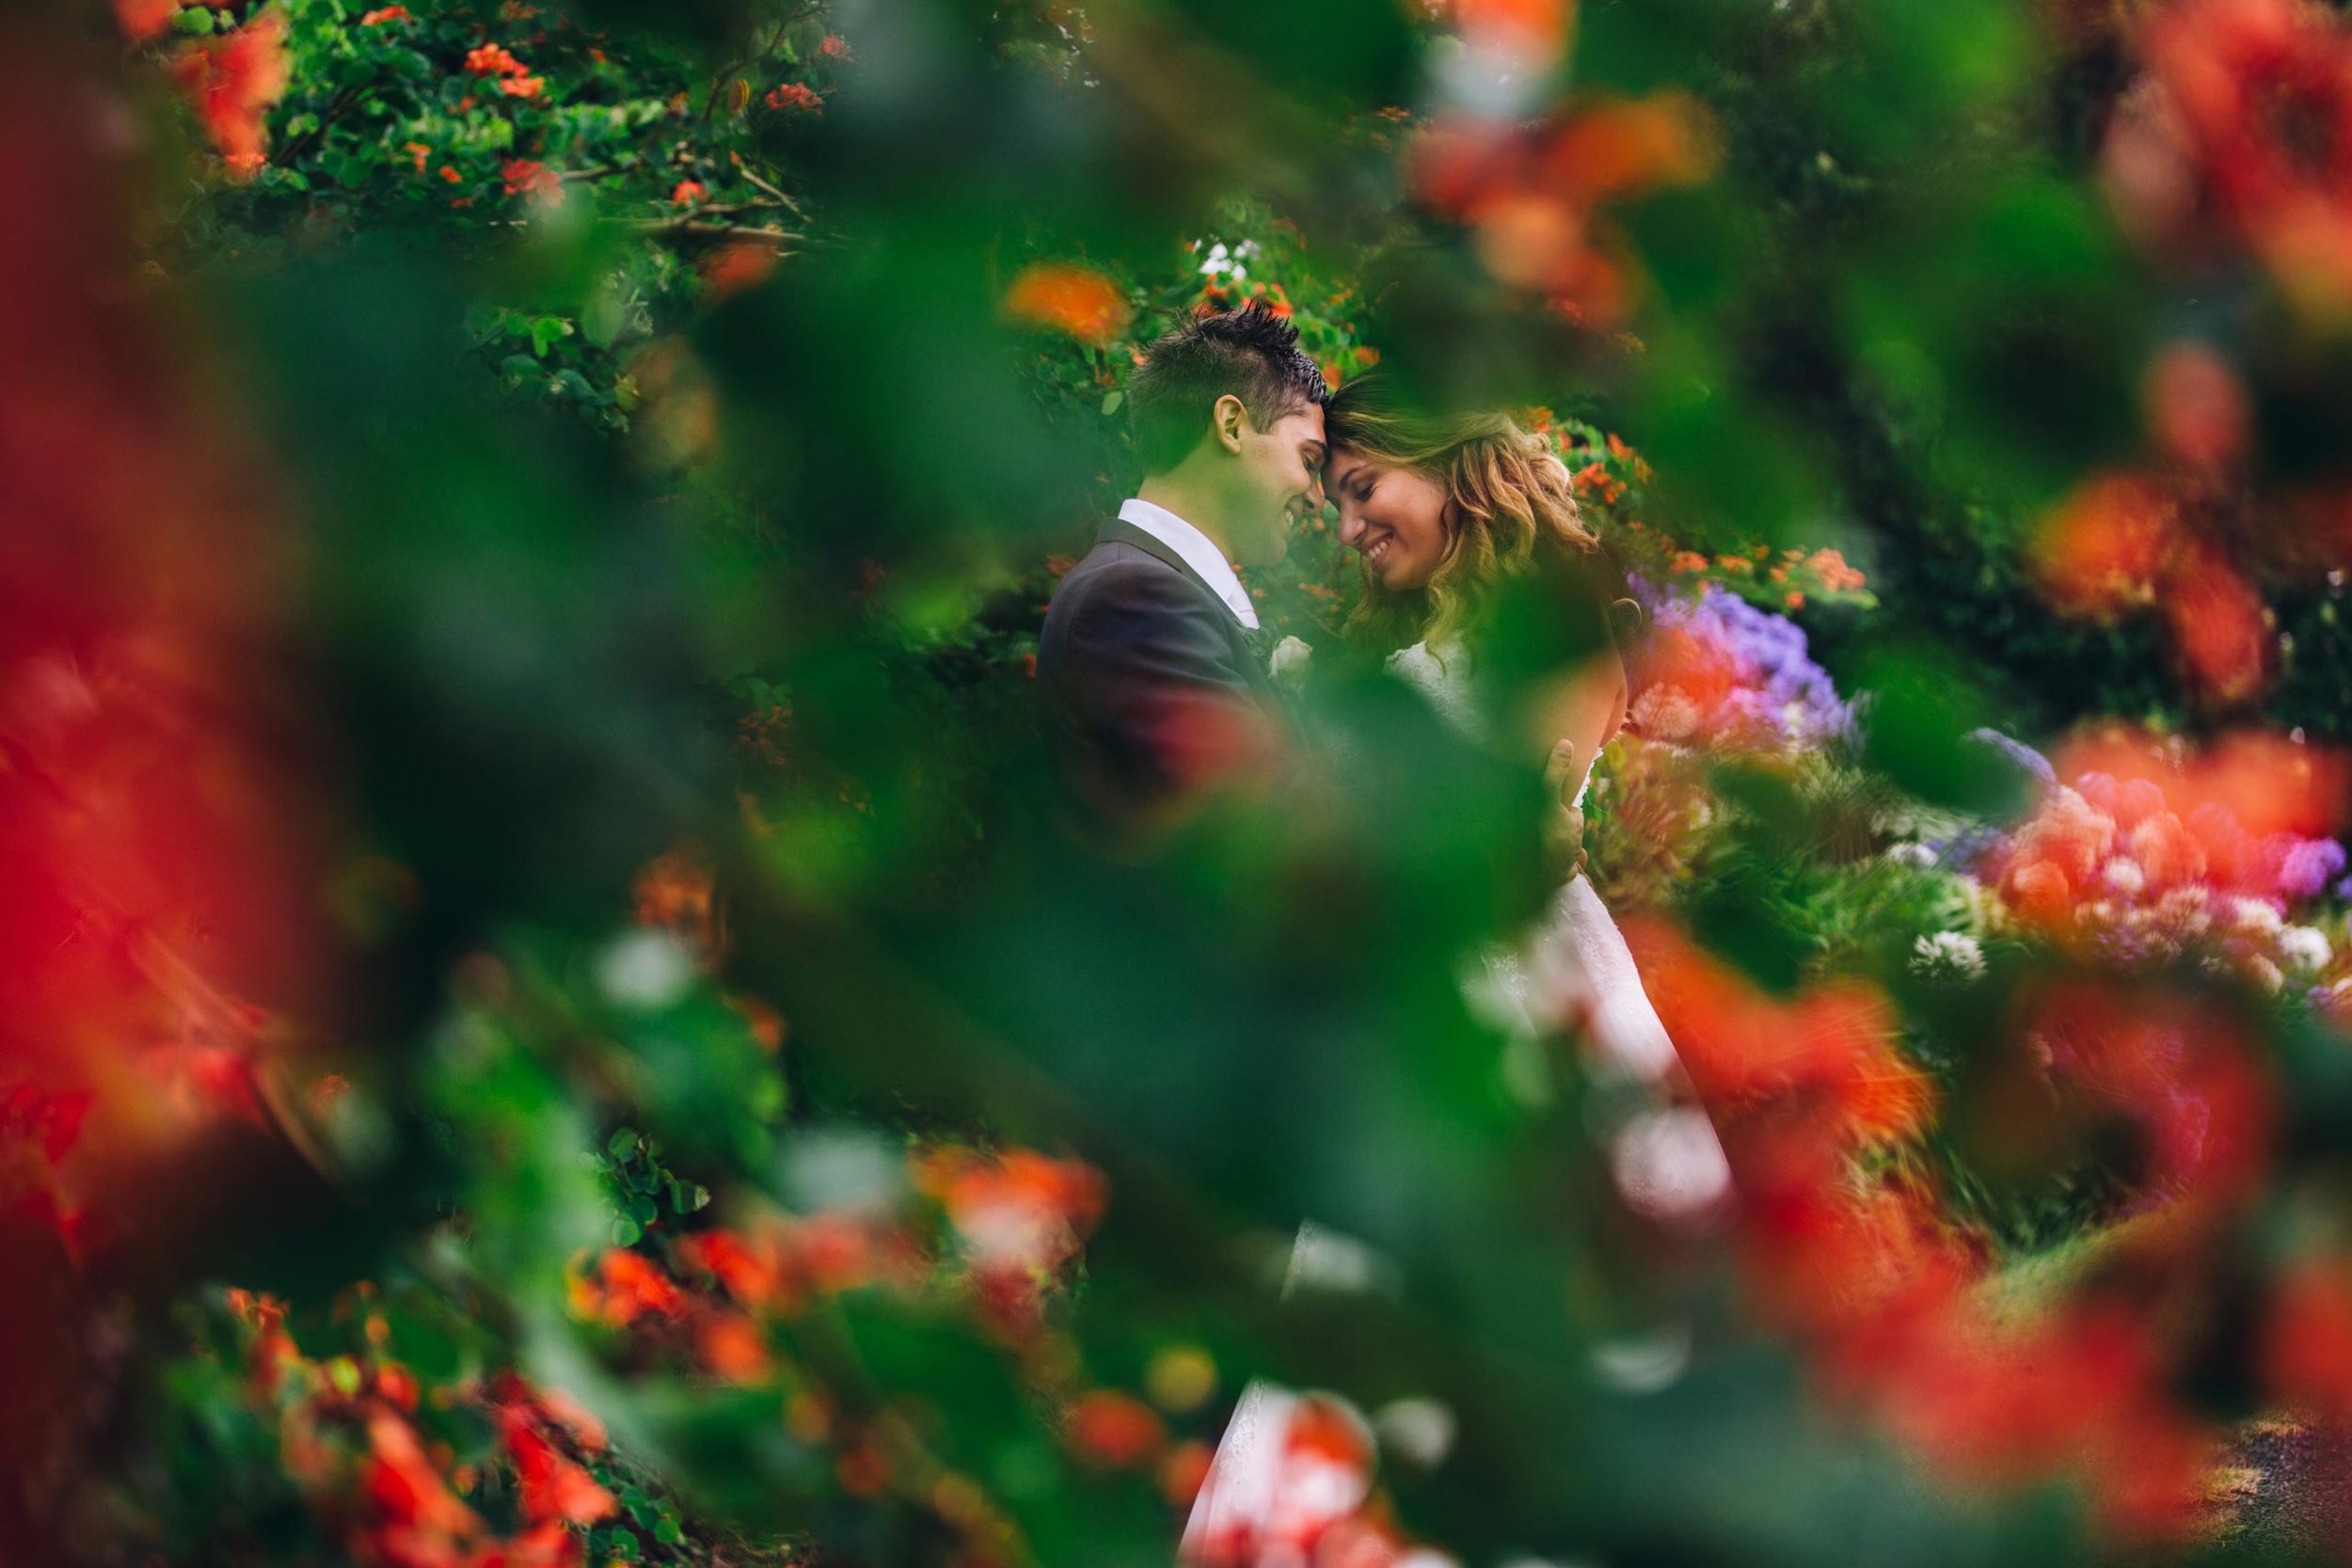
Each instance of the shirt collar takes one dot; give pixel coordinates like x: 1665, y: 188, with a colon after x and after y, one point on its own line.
x: 1207, y: 562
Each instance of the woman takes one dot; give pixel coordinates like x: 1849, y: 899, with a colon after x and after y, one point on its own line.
x: 1447, y: 513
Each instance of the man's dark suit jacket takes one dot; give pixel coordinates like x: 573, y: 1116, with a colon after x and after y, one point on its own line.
x: 1150, y: 687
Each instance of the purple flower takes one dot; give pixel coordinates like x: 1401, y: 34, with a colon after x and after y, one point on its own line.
x: 1785, y: 698
x: 2307, y: 866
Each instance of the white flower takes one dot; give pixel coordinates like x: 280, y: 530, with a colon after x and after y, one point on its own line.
x: 2305, y: 948
x: 1418, y: 1431
x: 1948, y: 955
x: 1291, y: 662
x: 645, y: 970
x: 1917, y: 856
x: 2256, y: 914
x: 2125, y: 877
x: 2265, y: 974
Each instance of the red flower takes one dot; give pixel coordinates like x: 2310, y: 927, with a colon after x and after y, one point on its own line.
x: 528, y: 177
x: 796, y: 97
x: 739, y: 265
x: 2252, y: 109
x: 382, y: 14
x: 629, y: 1286
x: 232, y: 82
x: 1116, y: 1431
x: 1532, y: 197
x: 142, y: 20
x: 553, y: 1487
x: 686, y: 192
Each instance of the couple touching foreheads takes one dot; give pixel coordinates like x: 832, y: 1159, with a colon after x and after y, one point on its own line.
x: 1152, y: 655
x: 1155, y: 680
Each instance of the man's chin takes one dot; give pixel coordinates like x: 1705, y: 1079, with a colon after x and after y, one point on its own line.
x: 1269, y: 552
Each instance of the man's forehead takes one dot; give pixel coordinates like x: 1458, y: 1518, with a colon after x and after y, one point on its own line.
x: 1307, y: 420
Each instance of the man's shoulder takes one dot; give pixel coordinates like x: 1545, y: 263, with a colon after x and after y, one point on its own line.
x: 1116, y: 573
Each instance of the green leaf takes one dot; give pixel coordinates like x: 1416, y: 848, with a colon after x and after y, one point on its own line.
x: 642, y: 1210
x: 626, y: 1232
x: 198, y: 20
x: 353, y: 170
x: 668, y: 1531
x: 624, y: 1142
x: 547, y: 330
x: 1110, y: 404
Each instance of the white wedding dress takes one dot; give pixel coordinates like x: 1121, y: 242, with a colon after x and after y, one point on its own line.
x: 1269, y: 1494
x: 1574, y: 969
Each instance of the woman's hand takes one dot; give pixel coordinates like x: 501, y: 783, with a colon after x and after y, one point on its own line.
x: 1564, y: 819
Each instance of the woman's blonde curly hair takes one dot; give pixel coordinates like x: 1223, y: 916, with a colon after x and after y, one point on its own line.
x: 1510, y: 510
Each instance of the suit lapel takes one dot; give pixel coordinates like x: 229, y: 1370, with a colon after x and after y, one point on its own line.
x: 1249, y: 652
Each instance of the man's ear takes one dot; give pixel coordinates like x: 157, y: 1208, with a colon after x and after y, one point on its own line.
x: 1230, y: 417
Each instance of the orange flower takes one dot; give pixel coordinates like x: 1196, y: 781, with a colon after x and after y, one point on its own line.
x: 492, y: 59
x: 522, y: 86
x: 1071, y: 299
x: 686, y: 192
x: 629, y: 1286
x: 382, y: 14
x: 2107, y: 544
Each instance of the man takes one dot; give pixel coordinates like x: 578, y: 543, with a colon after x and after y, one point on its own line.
x: 1151, y: 666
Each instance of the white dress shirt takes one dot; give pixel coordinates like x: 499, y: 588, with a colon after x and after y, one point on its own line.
x: 1207, y: 562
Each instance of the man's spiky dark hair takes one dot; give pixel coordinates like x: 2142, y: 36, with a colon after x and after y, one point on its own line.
x: 1251, y: 352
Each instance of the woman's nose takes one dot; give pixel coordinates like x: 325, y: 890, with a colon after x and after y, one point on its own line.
x: 1351, y: 525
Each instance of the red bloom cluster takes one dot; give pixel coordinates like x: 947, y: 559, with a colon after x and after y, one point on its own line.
x: 2124, y: 540
x: 1879, y: 1288
x: 2247, y: 120
x: 514, y: 77
x: 348, y: 1433
x: 2152, y: 851
x: 528, y: 177
x: 232, y: 82
x: 1534, y: 197
x: 1019, y: 1217
x: 795, y: 98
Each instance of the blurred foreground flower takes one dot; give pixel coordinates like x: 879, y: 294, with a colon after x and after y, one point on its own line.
x: 1070, y: 299
x: 1535, y: 199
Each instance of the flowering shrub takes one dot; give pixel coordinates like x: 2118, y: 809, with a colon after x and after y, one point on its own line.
x: 2157, y: 864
